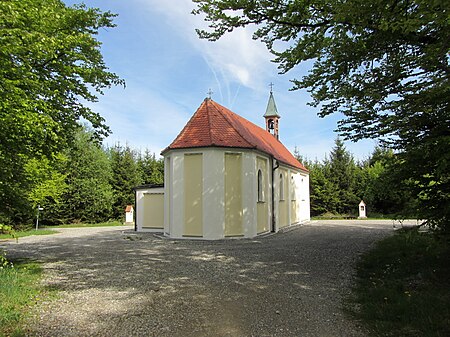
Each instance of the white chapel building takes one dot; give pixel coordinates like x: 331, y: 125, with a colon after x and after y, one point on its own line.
x: 225, y: 177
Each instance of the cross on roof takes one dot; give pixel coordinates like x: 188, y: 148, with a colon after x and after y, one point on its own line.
x: 209, y: 93
x: 271, y: 87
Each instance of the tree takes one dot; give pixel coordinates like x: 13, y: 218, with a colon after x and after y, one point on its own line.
x: 125, y: 176
x: 89, y: 195
x: 47, y: 179
x: 151, y: 169
x: 381, y: 189
x: 342, y: 173
x: 324, y: 196
x: 50, y: 62
x: 384, y: 64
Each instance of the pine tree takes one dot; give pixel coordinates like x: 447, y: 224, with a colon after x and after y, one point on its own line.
x: 152, y: 169
x: 125, y: 177
x: 342, y: 174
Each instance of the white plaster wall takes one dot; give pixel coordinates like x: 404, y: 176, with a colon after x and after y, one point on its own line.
x: 129, y: 217
x: 250, y: 191
x: 139, y: 212
x: 213, y: 194
x: 168, y: 181
x: 303, y: 193
x: 176, y: 217
x: 298, y: 192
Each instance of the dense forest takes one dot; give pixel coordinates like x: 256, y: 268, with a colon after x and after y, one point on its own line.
x: 339, y: 183
x: 84, y: 183
x: 88, y: 182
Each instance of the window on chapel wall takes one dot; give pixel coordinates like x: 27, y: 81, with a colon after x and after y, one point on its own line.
x: 281, y: 186
x: 260, y: 187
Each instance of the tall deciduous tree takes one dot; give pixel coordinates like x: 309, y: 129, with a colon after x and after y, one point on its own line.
x: 50, y: 61
x: 384, y: 64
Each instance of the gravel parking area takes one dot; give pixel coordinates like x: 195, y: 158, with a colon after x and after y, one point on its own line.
x: 116, y: 283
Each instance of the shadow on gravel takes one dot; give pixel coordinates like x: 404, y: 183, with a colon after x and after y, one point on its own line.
x: 288, y: 284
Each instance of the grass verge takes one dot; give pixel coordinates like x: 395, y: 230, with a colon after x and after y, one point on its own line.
x: 101, y: 224
x: 20, y: 234
x: 402, y: 286
x: 20, y: 289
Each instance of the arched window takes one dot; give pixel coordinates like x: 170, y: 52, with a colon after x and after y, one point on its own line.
x: 260, y: 187
x: 281, y: 187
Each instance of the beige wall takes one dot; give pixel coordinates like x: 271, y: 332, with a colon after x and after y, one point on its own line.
x: 263, y: 206
x: 193, y: 195
x: 153, y: 208
x: 149, y: 209
x: 283, y: 202
x: 167, y: 193
x: 233, y: 195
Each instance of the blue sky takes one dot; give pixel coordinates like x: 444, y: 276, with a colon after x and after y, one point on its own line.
x: 168, y: 71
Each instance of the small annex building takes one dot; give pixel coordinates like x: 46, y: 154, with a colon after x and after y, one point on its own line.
x: 225, y: 177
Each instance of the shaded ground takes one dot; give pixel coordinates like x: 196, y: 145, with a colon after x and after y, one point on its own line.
x: 123, y: 284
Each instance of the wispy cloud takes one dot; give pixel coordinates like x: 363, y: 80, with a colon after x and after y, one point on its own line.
x: 235, y: 59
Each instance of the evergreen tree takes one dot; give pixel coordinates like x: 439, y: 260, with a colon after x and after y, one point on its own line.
x: 89, y: 196
x: 125, y: 177
x: 152, y: 169
x: 324, y: 197
x: 342, y: 173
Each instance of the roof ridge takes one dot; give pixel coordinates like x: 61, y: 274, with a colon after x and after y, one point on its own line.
x: 232, y: 124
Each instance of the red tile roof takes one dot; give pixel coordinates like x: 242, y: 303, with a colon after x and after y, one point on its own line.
x: 214, y: 125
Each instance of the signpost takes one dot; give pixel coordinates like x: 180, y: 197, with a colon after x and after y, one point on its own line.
x: 39, y: 208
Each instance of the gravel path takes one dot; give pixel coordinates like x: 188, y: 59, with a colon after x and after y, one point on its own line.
x: 113, y: 283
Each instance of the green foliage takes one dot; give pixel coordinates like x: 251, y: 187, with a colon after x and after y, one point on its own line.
x: 98, y: 224
x: 342, y: 173
x: 323, y: 193
x: 50, y: 61
x: 125, y: 176
x: 383, y: 64
x: 6, y: 231
x: 88, y: 196
x: 402, y: 286
x: 19, y: 291
x: 338, y: 184
x: 45, y: 178
x: 151, y: 169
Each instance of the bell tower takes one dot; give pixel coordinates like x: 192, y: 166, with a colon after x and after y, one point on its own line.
x: 272, y: 115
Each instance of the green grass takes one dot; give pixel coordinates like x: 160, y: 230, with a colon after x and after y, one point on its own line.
x: 101, y: 224
x: 403, y: 286
x: 371, y: 216
x: 20, y: 289
x: 20, y: 234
